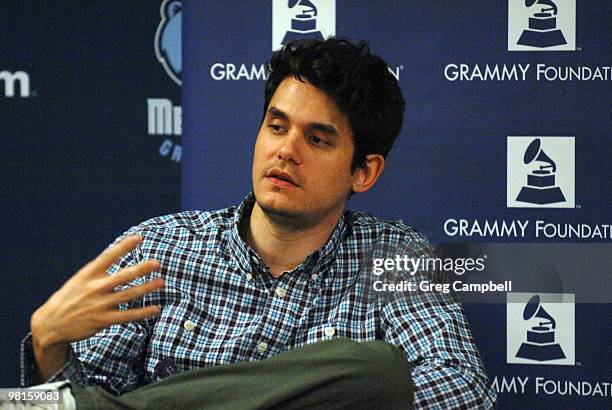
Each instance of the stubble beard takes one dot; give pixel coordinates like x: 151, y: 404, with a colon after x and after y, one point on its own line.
x: 284, y: 217
x: 293, y: 219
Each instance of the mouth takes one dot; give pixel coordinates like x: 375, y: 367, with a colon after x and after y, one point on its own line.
x: 277, y: 177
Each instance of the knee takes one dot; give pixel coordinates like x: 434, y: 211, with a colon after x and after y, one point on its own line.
x: 386, y: 359
x: 383, y: 364
x: 379, y: 371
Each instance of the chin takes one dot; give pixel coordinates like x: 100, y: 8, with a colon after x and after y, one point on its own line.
x: 275, y: 204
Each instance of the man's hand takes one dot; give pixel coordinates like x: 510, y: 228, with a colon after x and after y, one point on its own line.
x: 87, y: 303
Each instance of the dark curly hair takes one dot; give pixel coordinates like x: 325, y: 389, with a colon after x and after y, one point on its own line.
x: 356, y: 80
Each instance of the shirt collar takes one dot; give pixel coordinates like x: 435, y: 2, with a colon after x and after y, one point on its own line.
x: 237, y: 244
x: 317, y: 260
x: 328, y: 253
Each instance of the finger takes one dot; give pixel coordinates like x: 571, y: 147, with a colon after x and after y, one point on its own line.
x: 135, y: 292
x: 129, y: 274
x: 112, y: 254
x: 121, y: 316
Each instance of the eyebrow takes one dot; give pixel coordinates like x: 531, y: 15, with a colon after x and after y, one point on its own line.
x: 326, y: 128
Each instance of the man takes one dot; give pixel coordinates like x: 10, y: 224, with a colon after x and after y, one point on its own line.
x: 273, y: 299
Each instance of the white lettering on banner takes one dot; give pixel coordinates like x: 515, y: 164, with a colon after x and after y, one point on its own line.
x: 510, y: 386
x: 463, y: 227
x: 567, y: 231
x: 571, y: 388
x: 220, y: 71
x: 518, y: 72
x: 582, y: 73
x: 518, y: 229
x: 10, y: 79
x: 395, y: 72
x: 463, y: 72
x: 163, y: 118
x: 236, y: 72
x: 517, y: 385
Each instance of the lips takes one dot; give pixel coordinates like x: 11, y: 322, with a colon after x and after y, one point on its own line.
x: 280, y: 177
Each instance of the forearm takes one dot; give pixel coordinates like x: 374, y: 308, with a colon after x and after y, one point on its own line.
x: 50, y: 353
x: 443, y: 384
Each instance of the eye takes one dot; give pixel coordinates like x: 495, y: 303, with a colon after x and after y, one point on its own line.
x: 316, y: 140
x: 276, y: 128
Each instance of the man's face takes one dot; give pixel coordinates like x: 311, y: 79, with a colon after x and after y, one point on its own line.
x: 303, y: 155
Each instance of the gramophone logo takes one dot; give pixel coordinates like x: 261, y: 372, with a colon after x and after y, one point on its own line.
x: 541, y: 25
x: 302, y: 19
x: 541, y: 172
x: 540, y: 328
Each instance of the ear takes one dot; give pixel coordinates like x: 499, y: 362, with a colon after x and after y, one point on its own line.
x: 366, y: 176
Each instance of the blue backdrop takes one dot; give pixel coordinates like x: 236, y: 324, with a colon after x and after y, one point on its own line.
x: 497, y: 92
x: 483, y: 81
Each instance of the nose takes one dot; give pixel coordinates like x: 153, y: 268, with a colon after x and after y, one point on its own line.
x: 290, y: 148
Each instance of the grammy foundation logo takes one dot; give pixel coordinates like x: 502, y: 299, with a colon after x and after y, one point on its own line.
x: 540, y: 172
x: 540, y: 330
x: 542, y: 31
x: 540, y: 187
x: 540, y: 344
x: 541, y: 25
x: 302, y: 19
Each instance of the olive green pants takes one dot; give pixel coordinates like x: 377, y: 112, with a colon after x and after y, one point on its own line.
x: 337, y: 373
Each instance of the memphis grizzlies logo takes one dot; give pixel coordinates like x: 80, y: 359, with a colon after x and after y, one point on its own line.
x: 168, y: 39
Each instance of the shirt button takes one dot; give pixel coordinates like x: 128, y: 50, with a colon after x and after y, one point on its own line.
x: 280, y: 292
x: 330, y: 331
x: 189, y: 325
x: 262, y: 347
x: 249, y: 276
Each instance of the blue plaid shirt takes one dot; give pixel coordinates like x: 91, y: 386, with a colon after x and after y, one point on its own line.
x: 221, y: 305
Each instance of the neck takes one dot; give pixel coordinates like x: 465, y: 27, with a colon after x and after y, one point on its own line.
x: 283, y: 245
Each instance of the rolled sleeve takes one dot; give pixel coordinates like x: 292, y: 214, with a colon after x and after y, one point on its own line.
x: 30, y: 376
